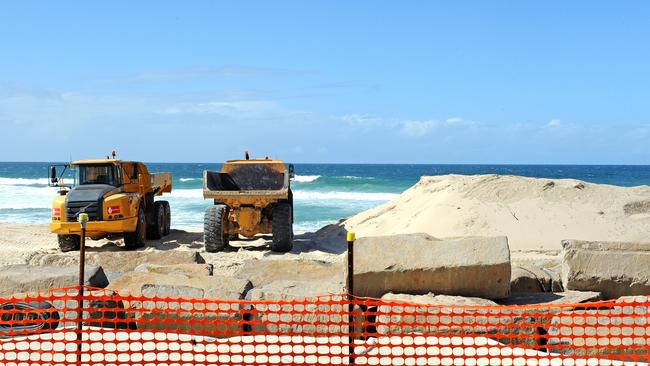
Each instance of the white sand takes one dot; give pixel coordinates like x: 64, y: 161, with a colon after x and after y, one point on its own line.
x: 147, y: 348
x: 535, y: 214
x: 21, y: 243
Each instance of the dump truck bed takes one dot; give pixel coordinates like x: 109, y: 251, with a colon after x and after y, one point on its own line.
x: 243, y: 183
x: 161, y: 183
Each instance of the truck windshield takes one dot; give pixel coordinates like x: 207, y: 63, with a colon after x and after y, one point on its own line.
x: 97, y: 174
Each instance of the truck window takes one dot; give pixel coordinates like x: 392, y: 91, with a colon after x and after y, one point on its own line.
x: 97, y: 174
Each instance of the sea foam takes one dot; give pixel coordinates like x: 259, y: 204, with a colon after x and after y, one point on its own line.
x: 23, y: 181
x: 305, y: 178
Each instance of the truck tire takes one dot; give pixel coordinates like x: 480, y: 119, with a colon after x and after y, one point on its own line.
x: 282, y: 228
x: 168, y: 217
x: 213, y: 236
x: 156, y: 227
x: 68, y: 243
x: 137, y: 239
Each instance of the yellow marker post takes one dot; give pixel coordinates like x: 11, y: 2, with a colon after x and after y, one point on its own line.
x: 350, y: 286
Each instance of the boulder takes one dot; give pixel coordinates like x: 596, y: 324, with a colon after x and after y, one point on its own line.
x: 431, y: 299
x: 186, y: 269
x: 264, y: 272
x: 292, y: 290
x: 613, y: 268
x: 199, y: 305
x: 25, y: 278
x: 620, y: 332
x: 528, y: 278
x: 400, y: 314
x: 418, y: 264
x: 303, y: 315
x: 119, y: 261
x: 159, y: 285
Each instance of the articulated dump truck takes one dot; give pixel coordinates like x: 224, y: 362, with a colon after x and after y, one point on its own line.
x: 251, y: 196
x: 118, y: 197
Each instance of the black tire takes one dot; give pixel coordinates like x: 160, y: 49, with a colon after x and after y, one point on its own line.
x: 213, y: 236
x: 156, y: 227
x: 52, y: 318
x: 68, y: 243
x: 232, y: 237
x: 137, y: 239
x: 282, y: 228
x: 168, y: 217
x: 22, y: 320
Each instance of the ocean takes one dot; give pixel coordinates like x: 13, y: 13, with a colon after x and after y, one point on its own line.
x: 323, y: 193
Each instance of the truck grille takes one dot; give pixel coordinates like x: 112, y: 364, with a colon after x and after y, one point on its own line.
x: 93, y: 209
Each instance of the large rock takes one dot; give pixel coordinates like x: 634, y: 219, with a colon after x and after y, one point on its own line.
x: 199, y: 305
x: 430, y: 314
x: 613, y: 268
x: 526, y: 278
x: 118, y: 261
x: 25, y: 278
x: 302, y: 315
x: 213, y: 287
x: 263, y: 272
x: 188, y: 270
x: 291, y: 290
x: 619, y: 332
x: 432, y: 299
x: 418, y: 264
x: 401, y: 314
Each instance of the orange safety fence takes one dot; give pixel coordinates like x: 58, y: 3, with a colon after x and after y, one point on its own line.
x: 114, y: 329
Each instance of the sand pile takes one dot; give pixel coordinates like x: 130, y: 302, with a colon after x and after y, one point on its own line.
x: 533, y: 213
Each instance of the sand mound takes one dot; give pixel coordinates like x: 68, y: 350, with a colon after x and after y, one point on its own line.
x: 534, y: 213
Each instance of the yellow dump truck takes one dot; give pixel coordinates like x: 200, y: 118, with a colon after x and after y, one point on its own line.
x: 251, y: 196
x: 118, y: 197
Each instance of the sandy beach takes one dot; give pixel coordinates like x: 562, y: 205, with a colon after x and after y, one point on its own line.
x: 535, y: 215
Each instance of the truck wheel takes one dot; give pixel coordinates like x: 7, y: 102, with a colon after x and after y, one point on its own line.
x: 168, y: 217
x: 156, y: 228
x: 282, y: 228
x: 68, y: 243
x: 213, y: 236
x: 137, y: 238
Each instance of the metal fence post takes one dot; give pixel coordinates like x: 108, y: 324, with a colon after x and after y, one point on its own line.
x: 83, y: 219
x: 350, y: 291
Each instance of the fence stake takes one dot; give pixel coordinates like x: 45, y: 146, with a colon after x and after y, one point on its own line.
x: 83, y: 219
x: 350, y: 286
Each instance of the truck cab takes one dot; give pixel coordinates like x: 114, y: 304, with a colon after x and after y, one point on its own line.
x: 118, y: 197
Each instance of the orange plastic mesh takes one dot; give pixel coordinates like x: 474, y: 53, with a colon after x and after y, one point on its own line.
x: 43, y: 329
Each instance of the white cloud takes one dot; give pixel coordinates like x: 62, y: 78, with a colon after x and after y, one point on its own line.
x: 408, y: 128
x: 232, y: 109
x: 417, y: 129
x: 454, y: 120
x: 362, y: 120
x: 554, y: 123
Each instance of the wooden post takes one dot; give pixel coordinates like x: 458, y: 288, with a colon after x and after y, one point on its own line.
x: 83, y: 219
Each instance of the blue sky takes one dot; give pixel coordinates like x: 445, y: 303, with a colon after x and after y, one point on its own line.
x: 367, y: 82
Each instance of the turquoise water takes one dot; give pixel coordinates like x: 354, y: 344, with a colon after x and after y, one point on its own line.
x: 323, y: 193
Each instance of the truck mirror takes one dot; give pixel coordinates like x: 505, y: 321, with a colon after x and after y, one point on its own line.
x: 53, y: 177
x: 291, y: 171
